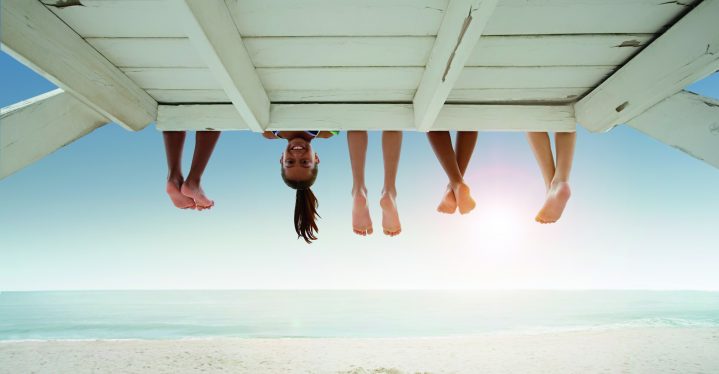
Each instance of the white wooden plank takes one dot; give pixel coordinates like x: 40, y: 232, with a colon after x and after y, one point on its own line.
x: 189, y: 96
x: 531, y: 50
x: 557, y: 50
x: 684, y: 54
x: 372, y: 116
x: 214, y: 35
x: 509, y: 95
x: 338, y: 95
x: 341, y: 79
x: 119, y: 18
x: 485, y: 84
x: 338, y: 17
x: 339, y: 51
x: 199, y: 117
x: 173, y: 78
x: 534, y: 17
x: 532, y: 77
x: 685, y: 121
x: 559, y: 118
x: 36, y: 37
x: 33, y: 129
x: 148, y: 18
x: 148, y: 52
x: 459, y: 33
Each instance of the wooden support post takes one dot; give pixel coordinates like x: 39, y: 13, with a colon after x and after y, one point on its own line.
x: 32, y: 129
x: 213, y: 32
x: 687, y: 52
x: 462, y: 25
x: 36, y: 37
x: 685, y: 121
x: 371, y: 117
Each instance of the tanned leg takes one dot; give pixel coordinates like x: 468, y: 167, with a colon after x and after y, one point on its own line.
x: 466, y: 140
x: 361, y: 221
x: 555, y: 178
x: 391, y: 148
x: 174, y: 142
x: 542, y: 149
x: 205, y: 142
x: 442, y: 145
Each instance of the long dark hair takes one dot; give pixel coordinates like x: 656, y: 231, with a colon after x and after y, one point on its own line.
x: 305, y: 206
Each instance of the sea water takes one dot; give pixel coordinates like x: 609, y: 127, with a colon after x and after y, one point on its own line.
x: 314, y: 314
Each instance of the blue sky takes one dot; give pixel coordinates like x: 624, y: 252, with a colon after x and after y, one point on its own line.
x: 94, y: 215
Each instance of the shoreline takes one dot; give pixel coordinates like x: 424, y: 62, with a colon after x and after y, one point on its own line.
x: 632, y: 349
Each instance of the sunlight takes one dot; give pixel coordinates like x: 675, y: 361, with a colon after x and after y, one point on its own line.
x: 499, y: 226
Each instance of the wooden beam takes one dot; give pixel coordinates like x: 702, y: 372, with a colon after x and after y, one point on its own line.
x: 214, y: 35
x: 32, y: 129
x: 459, y: 33
x: 36, y: 37
x: 372, y: 117
x: 685, y: 121
x: 687, y: 52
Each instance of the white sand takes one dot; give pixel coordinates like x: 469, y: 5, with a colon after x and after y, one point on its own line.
x: 632, y: 350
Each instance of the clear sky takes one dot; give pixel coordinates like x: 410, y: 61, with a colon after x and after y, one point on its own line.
x: 94, y: 215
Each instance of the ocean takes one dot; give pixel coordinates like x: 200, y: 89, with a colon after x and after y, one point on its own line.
x: 320, y: 314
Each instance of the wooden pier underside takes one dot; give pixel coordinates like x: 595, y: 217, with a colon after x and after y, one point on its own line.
x: 492, y: 65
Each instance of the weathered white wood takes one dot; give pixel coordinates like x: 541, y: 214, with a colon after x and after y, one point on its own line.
x: 557, y: 50
x: 532, y: 77
x: 372, y: 116
x: 509, y: 95
x: 535, y: 17
x: 148, y: 18
x: 173, y: 78
x: 118, y: 18
x: 148, y: 52
x: 189, y: 96
x: 340, y: 79
x: 337, y: 17
x: 339, y: 51
x: 459, y: 33
x: 34, y: 128
x: 685, y: 121
x: 558, y: 118
x: 476, y: 84
x: 199, y: 117
x: 684, y: 54
x: 530, y: 50
x: 214, y: 35
x: 486, y: 95
x: 36, y: 37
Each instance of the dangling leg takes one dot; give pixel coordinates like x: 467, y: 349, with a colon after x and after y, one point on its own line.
x: 442, y: 145
x: 466, y: 140
x: 391, y: 148
x: 361, y: 221
x: 174, y: 141
x: 555, y: 179
x: 204, y: 145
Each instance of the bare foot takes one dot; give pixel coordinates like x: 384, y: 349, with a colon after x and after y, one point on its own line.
x: 557, y: 198
x: 448, y: 204
x: 361, y: 221
x: 193, y: 190
x: 390, y: 216
x: 178, y: 199
x: 464, y: 199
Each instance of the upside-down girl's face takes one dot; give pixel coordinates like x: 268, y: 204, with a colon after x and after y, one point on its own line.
x: 298, y: 160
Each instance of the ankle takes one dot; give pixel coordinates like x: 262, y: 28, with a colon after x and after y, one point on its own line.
x: 359, y: 190
x: 192, y: 181
x: 389, y: 191
x: 175, y: 177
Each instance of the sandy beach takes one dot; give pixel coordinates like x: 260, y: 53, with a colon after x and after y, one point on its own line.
x: 630, y: 350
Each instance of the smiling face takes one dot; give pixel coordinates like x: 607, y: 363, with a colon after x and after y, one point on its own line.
x: 299, y: 160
